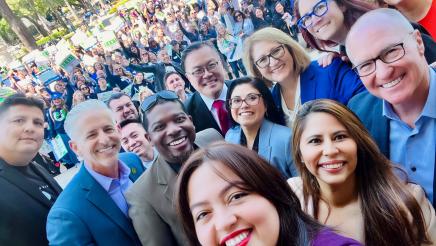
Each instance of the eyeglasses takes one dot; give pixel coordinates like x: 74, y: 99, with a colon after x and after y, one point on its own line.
x: 319, y: 10
x: 199, y: 72
x: 251, y: 99
x: 276, y: 53
x: 150, y: 102
x: 84, y: 88
x: 389, y: 55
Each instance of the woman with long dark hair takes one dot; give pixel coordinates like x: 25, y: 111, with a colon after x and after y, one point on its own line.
x: 227, y: 195
x: 348, y: 184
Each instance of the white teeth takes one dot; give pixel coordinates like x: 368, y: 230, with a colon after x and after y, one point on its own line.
x: 392, y: 83
x: 333, y: 166
x: 177, y: 142
x: 236, y: 240
x: 246, y: 113
x: 105, y: 149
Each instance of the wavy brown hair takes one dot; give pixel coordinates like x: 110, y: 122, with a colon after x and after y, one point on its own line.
x: 296, y: 228
x: 353, y: 10
x: 386, y: 202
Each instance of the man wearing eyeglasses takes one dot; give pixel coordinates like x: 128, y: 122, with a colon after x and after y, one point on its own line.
x: 170, y: 129
x: 389, y: 57
x: 203, y: 67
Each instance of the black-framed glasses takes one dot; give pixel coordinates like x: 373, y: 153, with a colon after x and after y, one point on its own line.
x: 389, y: 55
x: 84, y: 88
x: 251, y: 99
x: 150, y: 102
x: 319, y: 10
x: 199, y: 71
x: 275, y: 53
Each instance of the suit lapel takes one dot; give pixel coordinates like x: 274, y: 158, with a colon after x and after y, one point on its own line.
x: 264, y: 140
x: 50, y: 181
x: 204, y: 117
x: 307, y: 85
x: 102, y: 201
x: 166, y: 177
x: 17, y: 179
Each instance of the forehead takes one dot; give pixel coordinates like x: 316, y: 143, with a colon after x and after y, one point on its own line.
x: 120, y: 101
x: 132, y: 127
x: 244, y: 89
x: 23, y: 110
x: 201, y: 57
x: 374, y: 38
x: 94, y: 121
x: 164, y: 111
x: 262, y: 48
x: 319, y: 123
x: 306, y: 6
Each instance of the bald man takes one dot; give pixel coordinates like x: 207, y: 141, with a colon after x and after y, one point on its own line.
x: 399, y: 108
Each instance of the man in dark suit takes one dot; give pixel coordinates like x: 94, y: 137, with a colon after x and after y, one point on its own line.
x: 92, y: 208
x: 204, y: 69
x: 27, y: 189
x: 151, y: 198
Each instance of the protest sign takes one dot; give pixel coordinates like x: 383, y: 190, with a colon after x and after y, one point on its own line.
x: 104, y: 96
x: 59, y: 148
x: 66, y: 60
x: 109, y: 41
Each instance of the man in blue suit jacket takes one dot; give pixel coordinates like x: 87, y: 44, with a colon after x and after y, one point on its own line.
x: 399, y: 109
x: 92, y: 209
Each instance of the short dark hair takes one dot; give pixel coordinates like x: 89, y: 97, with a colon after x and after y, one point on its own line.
x: 273, y: 114
x: 21, y: 99
x: 116, y: 96
x: 257, y: 176
x: 129, y: 121
x: 160, y: 100
x: 168, y: 74
x: 196, y: 46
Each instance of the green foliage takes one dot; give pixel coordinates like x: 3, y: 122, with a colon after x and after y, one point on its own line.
x: 115, y: 7
x: 55, y: 35
x: 6, y: 32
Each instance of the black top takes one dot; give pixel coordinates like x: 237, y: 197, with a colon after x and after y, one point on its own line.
x: 243, y: 141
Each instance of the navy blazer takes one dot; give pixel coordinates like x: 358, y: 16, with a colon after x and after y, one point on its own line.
x: 336, y: 81
x: 85, y: 214
x: 274, y: 145
x: 133, y: 161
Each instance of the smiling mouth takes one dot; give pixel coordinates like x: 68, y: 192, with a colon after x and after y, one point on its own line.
x: 245, y: 113
x: 278, y: 68
x: 237, y: 239
x: 322, y: 27
x: 109, y: 148
x: 392, y: 83
x: 332, y: 165
x: 177, y: 141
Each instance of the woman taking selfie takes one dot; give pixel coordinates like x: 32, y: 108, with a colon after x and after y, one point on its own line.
x: 274, y: 56
x: 227, y: 195
x: 348, y: 185
x: 258, y: 125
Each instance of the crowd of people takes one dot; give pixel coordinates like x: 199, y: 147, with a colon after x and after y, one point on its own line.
x: 211, y: 124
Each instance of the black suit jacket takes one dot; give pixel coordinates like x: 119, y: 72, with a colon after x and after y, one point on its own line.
x: 201, y: 115
x: 23, y: 208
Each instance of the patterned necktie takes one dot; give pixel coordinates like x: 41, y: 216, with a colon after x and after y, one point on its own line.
x: 222, y: 115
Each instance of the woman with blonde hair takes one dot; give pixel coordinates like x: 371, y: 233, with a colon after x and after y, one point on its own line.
x: 347, y: 184
x: 231, y: 47
x: 78, y: 97
x: 274, y: 56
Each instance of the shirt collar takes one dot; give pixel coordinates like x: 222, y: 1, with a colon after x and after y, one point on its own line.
x: 209, y: 101
x: 105, y: 181
x: 429, y: 106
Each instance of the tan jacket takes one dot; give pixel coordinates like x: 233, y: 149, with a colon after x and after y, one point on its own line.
x: 427, y: 209
x: 150, y: 198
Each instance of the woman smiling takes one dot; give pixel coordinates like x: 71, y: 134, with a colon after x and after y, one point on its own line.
x: 347, y: 184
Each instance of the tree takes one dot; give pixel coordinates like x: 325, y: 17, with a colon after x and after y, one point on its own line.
x: 17, y: 26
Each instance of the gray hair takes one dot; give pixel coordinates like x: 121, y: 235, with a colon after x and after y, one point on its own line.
x: 92, y: 105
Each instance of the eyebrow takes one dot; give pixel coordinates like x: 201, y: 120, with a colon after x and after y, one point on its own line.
x: 334, y: 133
x: 207, y: 63
x: 222, y: 192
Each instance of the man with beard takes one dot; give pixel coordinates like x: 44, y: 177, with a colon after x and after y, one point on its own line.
x: 122, y: 107
x: 171, y: 131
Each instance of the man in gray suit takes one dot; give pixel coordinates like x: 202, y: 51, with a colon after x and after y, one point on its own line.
x: 171, y: 131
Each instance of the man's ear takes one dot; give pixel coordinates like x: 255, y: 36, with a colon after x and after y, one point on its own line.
x: 74, y: 147
x: 420, y: 43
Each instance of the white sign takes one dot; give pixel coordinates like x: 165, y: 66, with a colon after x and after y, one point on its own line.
x: 66, y: 60
x: 109, y: 41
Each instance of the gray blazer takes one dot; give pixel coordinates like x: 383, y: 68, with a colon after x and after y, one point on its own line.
x: 150, y: 198
x: 274, y: 145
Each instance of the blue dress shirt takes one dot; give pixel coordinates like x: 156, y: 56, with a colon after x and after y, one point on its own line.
x: 415, y: 148
x: 115, y: 187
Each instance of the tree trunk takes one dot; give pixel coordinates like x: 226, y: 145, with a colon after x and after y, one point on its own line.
x: 59, y: 20
x: 17, y: 26
x: 71, y: 10
x: 38, y: 26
